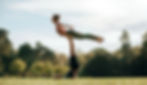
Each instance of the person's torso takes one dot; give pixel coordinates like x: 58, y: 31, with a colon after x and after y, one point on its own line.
x: 60, y: 29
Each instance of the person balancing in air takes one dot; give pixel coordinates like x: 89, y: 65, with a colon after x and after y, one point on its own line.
x: 68, y: 32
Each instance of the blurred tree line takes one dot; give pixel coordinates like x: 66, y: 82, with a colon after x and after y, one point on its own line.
x: 42, y: 61
x: 126, y: 61
x: 30, y: 61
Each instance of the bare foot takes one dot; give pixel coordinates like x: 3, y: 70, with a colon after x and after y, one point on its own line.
x: 100, y: 40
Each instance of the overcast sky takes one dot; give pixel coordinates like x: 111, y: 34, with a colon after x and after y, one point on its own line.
x: 29, y: 21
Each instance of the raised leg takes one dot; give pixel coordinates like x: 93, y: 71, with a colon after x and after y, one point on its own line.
x: 78, y: 35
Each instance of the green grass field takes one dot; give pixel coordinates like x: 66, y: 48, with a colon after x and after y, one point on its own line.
x: 86, y: 81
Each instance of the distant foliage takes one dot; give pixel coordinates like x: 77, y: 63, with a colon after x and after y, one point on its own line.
x: 6, y: 51
x: 99, y: 65
x: 1, y: 67
x: 124, y: 62
x: 40, y: 68
x: 42, y: 61
x: 18, y: 66
x: 5, y: 44
x: 61, y: 71
x: 140, y: 63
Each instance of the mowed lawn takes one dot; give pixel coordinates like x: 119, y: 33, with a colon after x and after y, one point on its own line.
x: 78, y: 81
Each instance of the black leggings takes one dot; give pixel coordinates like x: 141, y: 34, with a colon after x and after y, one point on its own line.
x: 74, y: 66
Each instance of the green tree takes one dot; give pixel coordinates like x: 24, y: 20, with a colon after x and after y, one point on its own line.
x: 41, y: 68
x: 61, y: 70
x: 1, y: 67
x: 6, y: 50
x: 126, y: 54
x: 18, y: 66
x: 144, y: 54
x: 99, y: 65
x: 126, y: 48
x: 48, y: 69
x: 141, y: 61
x: 5, y: 44
x: 26, y: 53
x: 37, y: 68
x: 44, y: 53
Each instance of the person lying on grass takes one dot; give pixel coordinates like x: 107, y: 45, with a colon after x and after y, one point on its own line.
x: 68, y: 31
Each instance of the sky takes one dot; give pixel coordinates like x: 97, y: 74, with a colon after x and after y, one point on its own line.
x: 30, y: 21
